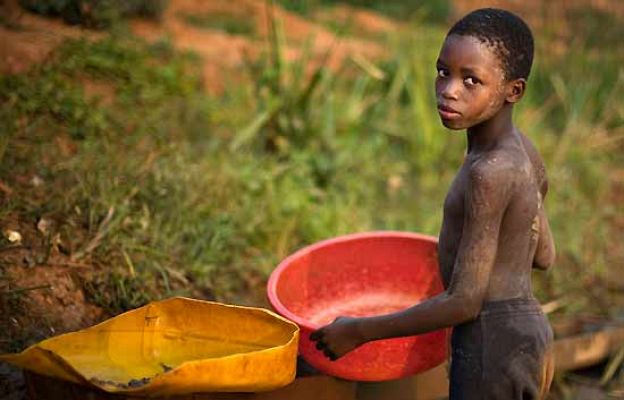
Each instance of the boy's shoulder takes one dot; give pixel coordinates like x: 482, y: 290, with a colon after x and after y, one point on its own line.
x: 537, y: 162
x: 501, y: 167
x: 496, y: 163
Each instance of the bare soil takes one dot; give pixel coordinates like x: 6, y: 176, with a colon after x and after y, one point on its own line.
x: 41, y: 292
x: 223, y: 52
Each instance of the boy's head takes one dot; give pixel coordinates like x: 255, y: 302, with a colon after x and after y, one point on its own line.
x: 506, y: 34
x: 484, y: 64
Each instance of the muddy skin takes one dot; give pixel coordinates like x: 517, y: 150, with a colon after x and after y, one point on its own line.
x: 495, y: 228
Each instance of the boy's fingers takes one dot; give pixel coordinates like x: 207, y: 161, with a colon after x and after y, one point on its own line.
x: 316, y: 335
x: 330, y: 354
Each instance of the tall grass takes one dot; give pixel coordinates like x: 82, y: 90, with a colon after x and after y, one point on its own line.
x: 96, y: 14
x: 436, y: 11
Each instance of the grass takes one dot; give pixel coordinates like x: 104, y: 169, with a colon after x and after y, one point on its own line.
x: 177, y: 192
x: 232, y: 24
x: 435, y: 11
x: 96, y: 14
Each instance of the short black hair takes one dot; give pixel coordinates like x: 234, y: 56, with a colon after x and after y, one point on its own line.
x: 508, y: 34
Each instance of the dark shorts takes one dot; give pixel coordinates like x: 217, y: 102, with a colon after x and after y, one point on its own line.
x: 506, y: 353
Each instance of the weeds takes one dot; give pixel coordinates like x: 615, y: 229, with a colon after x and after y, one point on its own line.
x: 230, y: 23
x: 435, y: 11
x: 96, y: 13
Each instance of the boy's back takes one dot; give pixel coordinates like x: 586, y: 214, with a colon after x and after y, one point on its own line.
x: 510, y: 176
x: 505, y: 352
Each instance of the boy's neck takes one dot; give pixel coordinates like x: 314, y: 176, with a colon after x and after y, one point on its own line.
x: 485, y: 136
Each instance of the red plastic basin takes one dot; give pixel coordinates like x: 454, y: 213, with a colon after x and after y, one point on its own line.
x: 361, y: 275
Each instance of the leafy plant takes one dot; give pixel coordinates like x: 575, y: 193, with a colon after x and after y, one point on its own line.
x: 95, y: 13
x: 230, y: 23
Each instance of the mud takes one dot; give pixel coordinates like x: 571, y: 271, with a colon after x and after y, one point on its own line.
x: 132, y: 383
x: 135, y: 383
x: 39, y: 281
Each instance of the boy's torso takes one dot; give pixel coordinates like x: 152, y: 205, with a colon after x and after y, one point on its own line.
x: 510, y: 277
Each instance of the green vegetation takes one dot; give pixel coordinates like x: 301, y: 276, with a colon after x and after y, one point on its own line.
x: 96, y: 13
x: 230, y: 23
x: 194, y: 194
x: 435, y: 11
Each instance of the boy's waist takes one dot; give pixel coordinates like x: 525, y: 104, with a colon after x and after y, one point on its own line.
x: 518, y: 305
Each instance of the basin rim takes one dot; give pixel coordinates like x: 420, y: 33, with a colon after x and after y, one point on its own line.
x: 281, y: 309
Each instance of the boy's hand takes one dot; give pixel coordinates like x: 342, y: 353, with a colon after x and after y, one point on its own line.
x: 338, y: 338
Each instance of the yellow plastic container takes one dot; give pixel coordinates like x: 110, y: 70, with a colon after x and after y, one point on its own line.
x: 174, y: 346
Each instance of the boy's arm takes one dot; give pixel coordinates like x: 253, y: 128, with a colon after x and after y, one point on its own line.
x: 487, y: 197
x: 545, y: 249
x: 544, y: 256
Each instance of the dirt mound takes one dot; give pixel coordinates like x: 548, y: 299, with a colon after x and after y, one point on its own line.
x: 40, y: 288
x: 27, y: 39
x: 557, y: 17
x: 361, y: 21
x: 540, y: 13
x: 31, y: 38
x: 40, y: 295
x: 222, y: 51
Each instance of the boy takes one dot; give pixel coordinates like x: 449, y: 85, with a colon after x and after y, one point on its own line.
x: 494, y: 228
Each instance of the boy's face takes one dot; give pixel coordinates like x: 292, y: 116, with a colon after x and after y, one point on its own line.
x: 470, y: 86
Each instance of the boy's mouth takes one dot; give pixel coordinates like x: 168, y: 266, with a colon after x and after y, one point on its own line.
x: 447, y: 112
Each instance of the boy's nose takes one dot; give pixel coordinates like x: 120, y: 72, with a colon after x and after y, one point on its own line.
x: 450, y: 90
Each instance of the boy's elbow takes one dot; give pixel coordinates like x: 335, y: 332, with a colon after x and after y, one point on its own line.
x: 544, y: 264
x: 545, y: 261
x: 468, y: 307
x: 473, y: 310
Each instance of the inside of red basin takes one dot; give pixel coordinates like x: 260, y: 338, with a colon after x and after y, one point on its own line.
x: 355, y: 275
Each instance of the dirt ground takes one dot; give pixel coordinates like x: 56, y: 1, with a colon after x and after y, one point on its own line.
x: 38, y: 281
x: 27, y: 39
x: 42, y: 288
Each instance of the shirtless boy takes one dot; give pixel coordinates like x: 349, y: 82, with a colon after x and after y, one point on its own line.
x: 494, y: 230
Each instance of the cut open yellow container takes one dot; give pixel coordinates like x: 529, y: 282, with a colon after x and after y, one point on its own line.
x: 174, y: 346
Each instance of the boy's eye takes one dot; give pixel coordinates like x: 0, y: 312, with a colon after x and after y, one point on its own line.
x: 471, y: 81
x: 442, y: 73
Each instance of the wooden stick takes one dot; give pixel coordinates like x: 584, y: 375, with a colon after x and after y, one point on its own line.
x: 97, y: 239
x: 22, y: 290
x: 612, y: 367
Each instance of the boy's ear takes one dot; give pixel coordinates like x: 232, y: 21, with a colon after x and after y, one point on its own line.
x: 515, y: 90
